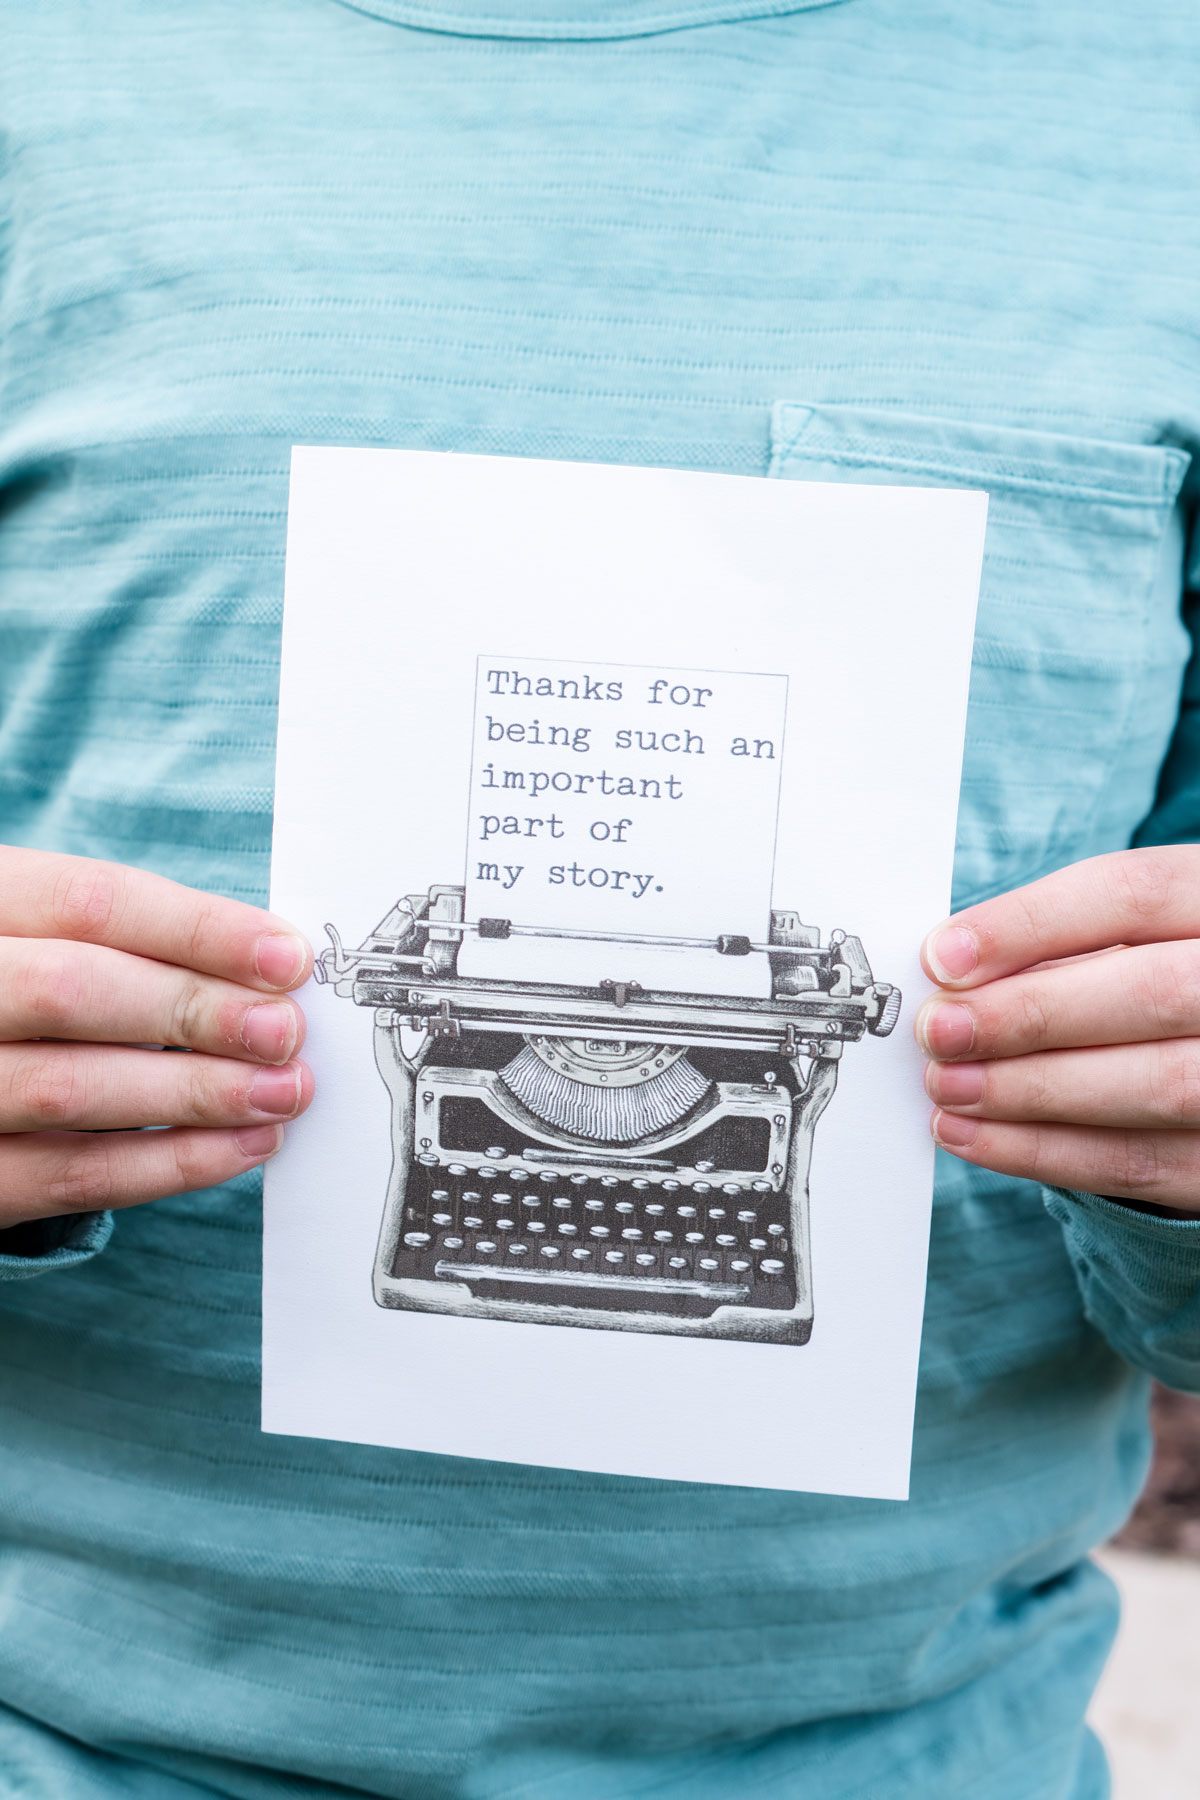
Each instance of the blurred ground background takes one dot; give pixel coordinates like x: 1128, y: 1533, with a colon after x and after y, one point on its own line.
x: 1147, y: 1709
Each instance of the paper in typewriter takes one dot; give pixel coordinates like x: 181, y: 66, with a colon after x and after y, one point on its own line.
x: 617, y: 802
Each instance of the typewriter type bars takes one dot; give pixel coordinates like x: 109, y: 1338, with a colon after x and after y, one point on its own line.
x: 606, y: 1156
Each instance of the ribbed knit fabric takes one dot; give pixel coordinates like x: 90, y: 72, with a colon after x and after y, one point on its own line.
x: 886, y: 239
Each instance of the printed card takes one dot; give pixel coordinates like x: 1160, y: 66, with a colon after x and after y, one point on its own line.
x: 617, y: 802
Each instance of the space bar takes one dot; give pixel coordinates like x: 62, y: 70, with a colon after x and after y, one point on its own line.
x: 570, y: 1278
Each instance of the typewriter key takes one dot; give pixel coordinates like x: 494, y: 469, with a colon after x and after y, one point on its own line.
x: 632, y: 1235
x: 775, y: 1230
x: 594, y: 1205
x: 517, y: 1249
x: 610, y: 1181
x: 662, y: 1237
x: 644, y: 1257
x: 747, y: 1218
x: 731, y: 1187
x: 687, y: 1212
x: 614, y: 1256
x: 739, y: 1267
x: 600, y: 1231
x: 535, y: 1225
x: 709, y: 1262
x: 562, y: 1203
x: 580, y: 1180
x: 428, y: 1159
x: 758, y: 1243
x: 625, y: 1206
x: 725, y: 1240
x: 548, y: 1175
x: 518, y: 1174
x: 581, y: 1253
x: 704, y: 1167
x: 550, y: 1250
x: 484, y: 1246
x: 417, y: 1239
x: 568, y: 1230
x: 456, y: 1168
x: 472, y: 1197
x: 769, y: 1266
x: 496, y: 1150
x: 702, y: 1187
x: 473, y: 1224
x: 640, y: 1183
x: 761, y: 1187
x: 531, y: 1200
x: 677, y: 1262
x: 443, y: 1219
x: 716, y: 1212
x: 439, y: 1194
x: 504, y: 1225
x: 693, y: 1237
x: 486, y: 1174
x: 453, y: 1244
x: 656, y: 1211
x: 670, y: 1187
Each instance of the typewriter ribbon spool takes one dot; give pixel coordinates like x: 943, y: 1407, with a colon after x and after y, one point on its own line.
x: 606, y: 1156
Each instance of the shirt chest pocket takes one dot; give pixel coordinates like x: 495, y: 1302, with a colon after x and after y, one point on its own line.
x: 1079, y: 646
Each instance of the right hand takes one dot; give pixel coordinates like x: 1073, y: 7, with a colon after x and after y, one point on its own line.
x: 108, y: 959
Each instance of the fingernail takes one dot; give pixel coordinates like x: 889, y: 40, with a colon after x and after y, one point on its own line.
x: 280, y: 957
x: 269, y: 1031
x: 944, y: 1028
x: 955, y: 1084
x: 952, y: 952
x: 276, y: 1091
x: 257, y: 1141
x: 955, y: 1132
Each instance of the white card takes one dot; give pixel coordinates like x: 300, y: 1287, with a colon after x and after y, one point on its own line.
x: 628, y: 795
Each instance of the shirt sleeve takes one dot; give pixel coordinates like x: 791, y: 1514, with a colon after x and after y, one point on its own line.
x: 41, y: 1246
x: 1139, y: 1269
x: 1139, y: 1275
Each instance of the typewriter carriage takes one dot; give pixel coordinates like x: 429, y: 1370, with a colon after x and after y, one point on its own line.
x: 542, y: 1131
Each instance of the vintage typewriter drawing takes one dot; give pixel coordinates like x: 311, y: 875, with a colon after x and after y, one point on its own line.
x: 606, y: 1156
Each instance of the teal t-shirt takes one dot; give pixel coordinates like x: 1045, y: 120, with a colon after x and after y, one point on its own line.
x: 899, y: 240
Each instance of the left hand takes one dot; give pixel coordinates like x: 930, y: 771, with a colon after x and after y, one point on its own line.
x: 1065, y: 1039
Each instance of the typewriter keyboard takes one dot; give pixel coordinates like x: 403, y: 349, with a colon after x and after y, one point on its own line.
x: 598, y: 1240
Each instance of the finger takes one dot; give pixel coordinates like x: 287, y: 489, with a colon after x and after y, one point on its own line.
x: 1140, y: 1086
x: 82, y: 991
x: 45, y: 895
x: 1127, y: 997
x: 1161, y: 1167
x: 47, y: 1173
x: 1130, y: 897
x: 100, y: 1087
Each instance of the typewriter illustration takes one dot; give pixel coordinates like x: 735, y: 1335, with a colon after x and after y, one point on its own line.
x: 607, y: 1156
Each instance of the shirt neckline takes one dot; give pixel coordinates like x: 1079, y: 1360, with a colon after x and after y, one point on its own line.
x: 574, y: 19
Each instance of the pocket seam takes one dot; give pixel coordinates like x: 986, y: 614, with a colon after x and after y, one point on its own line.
x: 895, y: 450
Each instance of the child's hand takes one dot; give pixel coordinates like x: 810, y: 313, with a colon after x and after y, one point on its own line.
x: 1085, y: 1073
x: 108, y: 958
